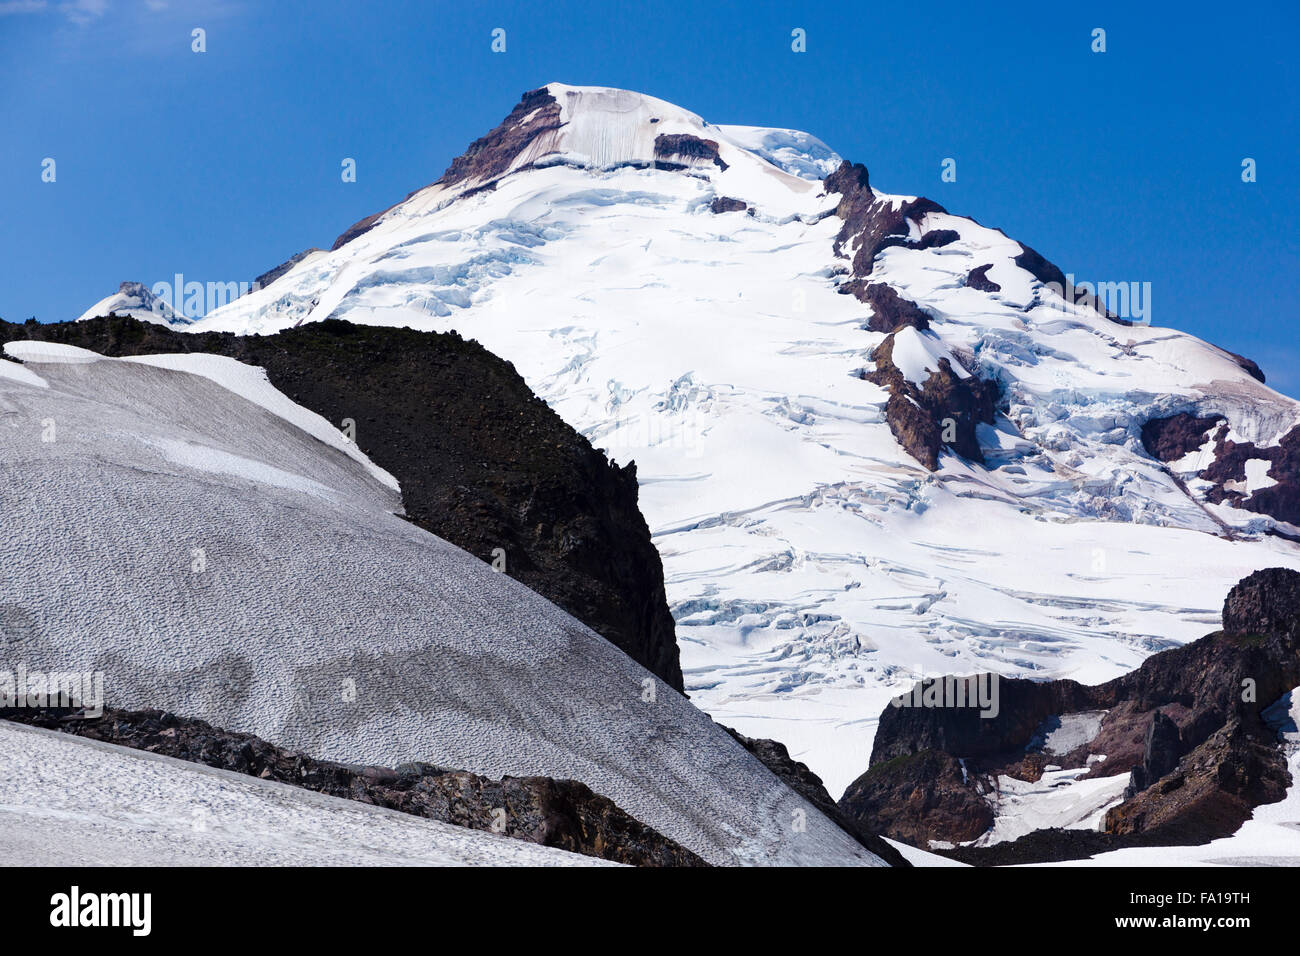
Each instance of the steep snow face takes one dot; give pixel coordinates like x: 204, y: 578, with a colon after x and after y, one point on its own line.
x: 139, y: 302
x: 212, y: 556
x: 815, y: 569
x: 73, y: 802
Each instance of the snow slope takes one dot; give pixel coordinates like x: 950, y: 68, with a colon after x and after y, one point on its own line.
x: 213, y: 558
x: 814, y: 568
x: 67, y: 801
x: 138, y: 301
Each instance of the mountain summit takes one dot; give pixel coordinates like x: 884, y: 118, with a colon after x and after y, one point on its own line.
x: 876, y: 440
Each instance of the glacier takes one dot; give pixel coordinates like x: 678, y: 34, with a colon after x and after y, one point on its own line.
x: 814, y: 568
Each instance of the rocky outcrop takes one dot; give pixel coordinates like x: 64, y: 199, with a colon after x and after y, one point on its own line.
x: 872, y: 224
x: 266, y: 278
x: 978, y: 278
x: 1162, y: 748
x: 1040, y: 268
x: 482, y: 462
x: 1249, y: 366
x: 728, y: 204
x: 890, y: 311
x: 488, y: 157
x: 1227, y: 474
x: 944, y: 411
x: 918, y: 798
x: 684, y: 146
x: 1186, y: 726
x: 1209, y: 793
x: 1169, y: 439
x: 798, y: 777
x: 564, y: 814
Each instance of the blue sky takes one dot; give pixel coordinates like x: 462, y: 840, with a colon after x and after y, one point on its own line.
x: 1118, y: 166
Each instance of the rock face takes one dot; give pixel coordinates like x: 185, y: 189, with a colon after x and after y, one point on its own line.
x: 266, y: 278
x: 1164, y: 745
x: 890, y: 311
x: 918, y: 798
x: 944, y: 411
x: 678, y: 146
x: 776, y: 757
x: 728, y: 204
x: 978, y: 278
x: 482, y: 462
x: 1228, y: 474
x: 1186, y: 725
x: 488, y: 157
x: 871, y: 224
x: 1168, y: 439
x: 558, y: 813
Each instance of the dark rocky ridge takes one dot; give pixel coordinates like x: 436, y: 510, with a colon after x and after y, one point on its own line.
x: 1212, y: 691
x: 775, y: 756
x: 1281, y: 500
x: 488, y: 157
x: 890, y: 311
x: 482, y: 462
x: 978, y: 278
x: 917, y: 798
x: 564, y: 814
x: 685, y: 146
x: 266, y: 278
x: 920, y: 417
x: 874, y: 223
x: 729, y: 204
x: 1249, y: 366
x: 1170, y: 438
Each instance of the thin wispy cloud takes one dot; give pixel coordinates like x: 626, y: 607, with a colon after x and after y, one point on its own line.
x: 14, y: 7
x: 82, y: 12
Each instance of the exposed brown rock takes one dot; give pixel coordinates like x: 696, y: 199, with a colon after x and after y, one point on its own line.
x: 1169, y: 439
x: 1281, y: 500
x: 944, y: 405
x: 937, y: 238
x: 1212, y: 791
x: 1040, y: 268
x: 672, y: 146
x: 1186, y: 724
x: 874, y: 223
x: 917, y: 798
x: 488, y: 157
x: 890, y: 311
x: 558, y: 813
x: 978, y: 278
x: 728, y: 204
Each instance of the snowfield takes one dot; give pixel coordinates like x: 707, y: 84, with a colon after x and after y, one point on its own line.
x: 65, y: 801
x: 217, y: 557
x: 813, y: 567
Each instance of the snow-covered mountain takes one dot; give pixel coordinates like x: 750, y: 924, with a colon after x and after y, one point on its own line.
x: 875, y: 440
x: 138, y: 301
x: 179, y: 526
